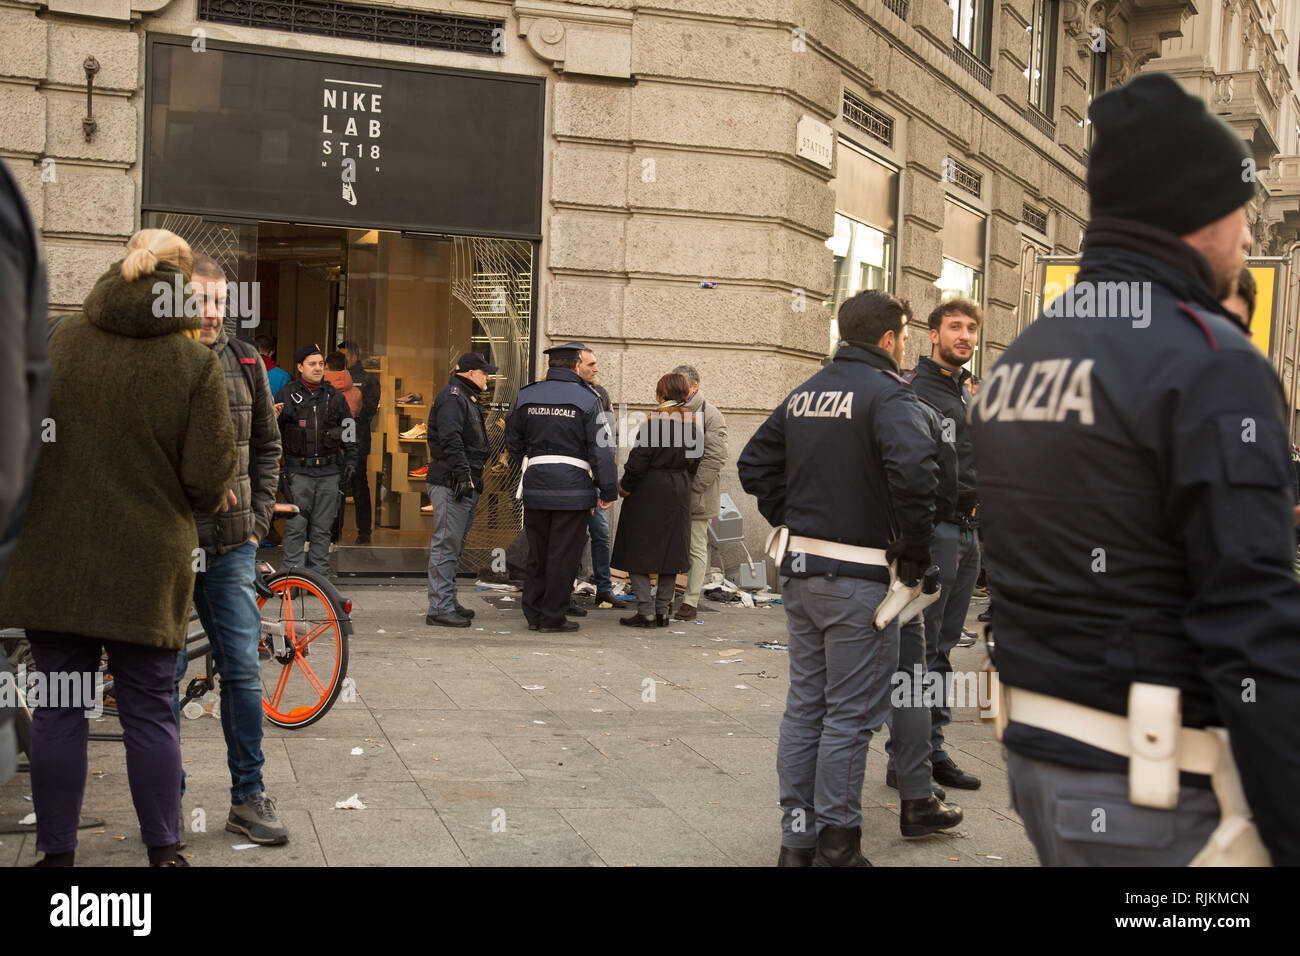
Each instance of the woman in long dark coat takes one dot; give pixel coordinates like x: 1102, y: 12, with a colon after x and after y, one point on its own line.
x: 654, y: 526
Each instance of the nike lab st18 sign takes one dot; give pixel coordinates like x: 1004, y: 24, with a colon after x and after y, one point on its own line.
x: 246, y: 132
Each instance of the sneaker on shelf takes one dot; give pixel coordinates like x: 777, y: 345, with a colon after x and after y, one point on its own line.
x: 426, y: 509
x: 417, y: 433
x: 410, y: 398
x: 419, y: 474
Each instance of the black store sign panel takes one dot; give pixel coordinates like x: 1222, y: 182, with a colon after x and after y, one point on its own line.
x: 256, y: 133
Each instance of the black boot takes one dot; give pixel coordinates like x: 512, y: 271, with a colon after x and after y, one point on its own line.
x: 951, y: 775
x: 795, y: 856
x: 447, y: 620
x: 575, y: 611
x: 840, y: 846
x: 891, y: 780
x: 923, y: 817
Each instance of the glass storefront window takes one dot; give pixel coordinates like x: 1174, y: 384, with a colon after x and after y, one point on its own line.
x: 413, y: 305
x: 864, y: 259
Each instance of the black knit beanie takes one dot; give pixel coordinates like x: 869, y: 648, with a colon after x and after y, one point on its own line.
x: 1160, y: 157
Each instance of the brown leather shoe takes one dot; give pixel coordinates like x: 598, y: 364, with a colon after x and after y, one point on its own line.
x: 685, y: 613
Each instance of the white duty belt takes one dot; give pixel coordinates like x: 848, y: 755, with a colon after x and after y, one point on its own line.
x: 781, y: 540
x: 550, y: 460
x: 1158, y: 747
x: 901, y: 601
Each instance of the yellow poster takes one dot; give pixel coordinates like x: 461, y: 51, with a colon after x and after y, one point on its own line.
x: 1057, y: 278
x: 1261, y: 323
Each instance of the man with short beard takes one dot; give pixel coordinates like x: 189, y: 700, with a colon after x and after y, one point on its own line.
x: 1133, y: 468
x: 320, y: 455
x: 942, y: 381
x: 224, y: 595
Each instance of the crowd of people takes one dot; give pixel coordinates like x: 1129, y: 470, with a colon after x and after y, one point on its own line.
x: 1129, y: 477
x: 186, y: 464
x: 1131, y: 494
x: 564, y: 432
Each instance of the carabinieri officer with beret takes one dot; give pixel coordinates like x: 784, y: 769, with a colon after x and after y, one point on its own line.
x: 568, y: 465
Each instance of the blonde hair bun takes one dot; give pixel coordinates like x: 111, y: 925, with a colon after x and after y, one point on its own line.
x: 148, y: 247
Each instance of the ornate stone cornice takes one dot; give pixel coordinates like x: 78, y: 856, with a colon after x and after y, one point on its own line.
x: 592, y: 41
x: 120, y: 10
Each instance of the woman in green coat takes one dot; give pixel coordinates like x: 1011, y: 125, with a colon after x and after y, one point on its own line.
x: 139, y: 436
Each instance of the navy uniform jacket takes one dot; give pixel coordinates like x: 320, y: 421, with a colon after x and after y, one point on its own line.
x: 946, y: 390
x: 457, y: 436
x: 312, y: 425
x: 847, y: 457
x: 1134, y: 474
x: 561, y: 415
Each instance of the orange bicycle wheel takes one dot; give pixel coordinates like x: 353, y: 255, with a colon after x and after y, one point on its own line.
x: 302, y: 683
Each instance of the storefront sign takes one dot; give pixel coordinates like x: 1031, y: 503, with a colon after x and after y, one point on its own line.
x: 238, y: 131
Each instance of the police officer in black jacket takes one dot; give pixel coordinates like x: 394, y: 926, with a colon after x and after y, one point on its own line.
x: 909, y: 769
x: 1132, y: 457
x: 567, y: 453
x: 847, y: 464
x: 458, y: 448
x: 320, y: 451
x: 942, y: 381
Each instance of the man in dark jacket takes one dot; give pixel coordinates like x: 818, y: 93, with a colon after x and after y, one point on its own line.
x: 458, y: 448
x: 224, y: 595
x: 941, y: 381
x: 847, y: 466
x: 909, y: 768
x: 567, y: 457
x: 320, y: 457
x: 360, y: 489
x: 1132, y: 457
x: 24, y: 390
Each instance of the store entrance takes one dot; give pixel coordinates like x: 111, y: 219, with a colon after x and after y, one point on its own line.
x: 412, y: 305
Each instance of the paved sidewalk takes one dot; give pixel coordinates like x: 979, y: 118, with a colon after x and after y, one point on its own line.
x: 464, y: 765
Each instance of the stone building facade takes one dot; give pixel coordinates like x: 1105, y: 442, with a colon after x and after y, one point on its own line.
x: 708, y: 164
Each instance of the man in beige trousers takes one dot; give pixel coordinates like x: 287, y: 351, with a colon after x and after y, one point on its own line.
x: 705, y: 490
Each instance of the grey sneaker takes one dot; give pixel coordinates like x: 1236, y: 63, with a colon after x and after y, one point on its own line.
x: 967, y: 638
x: 256, y: 819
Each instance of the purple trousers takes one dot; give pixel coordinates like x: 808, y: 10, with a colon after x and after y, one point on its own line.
x: 143, y: 681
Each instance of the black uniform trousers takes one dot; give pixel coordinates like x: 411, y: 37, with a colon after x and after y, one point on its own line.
x: 555, y: 543
x: 360, y: 492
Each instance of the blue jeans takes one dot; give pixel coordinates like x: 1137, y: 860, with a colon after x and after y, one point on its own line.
x: 958, y: 557
x: 598, y: 525
x: 226, y: 601
x: 452, y: 520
